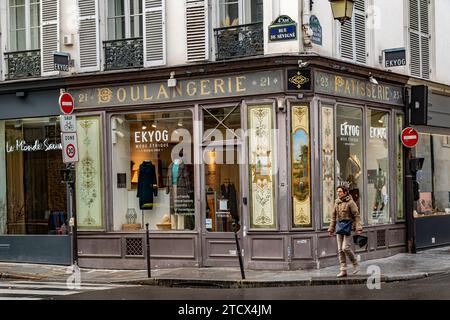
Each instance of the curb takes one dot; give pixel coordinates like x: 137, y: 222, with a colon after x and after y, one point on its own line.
x: 19, y: 276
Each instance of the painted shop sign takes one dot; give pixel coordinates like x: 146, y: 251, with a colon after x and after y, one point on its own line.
x: 349, y: 87
x: 394, y: 57
x: 23, y: 146
x: 186, y: 90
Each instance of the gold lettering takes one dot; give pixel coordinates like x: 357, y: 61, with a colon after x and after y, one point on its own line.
x: 386, y: 93
x: 380, y: 92
x: 347, y: 87
x: 176, y: 90
x: 353, y: 87
x: 146, y: 98
x: 204, y: 87
x: 191, y: 89
x: 374, y: 91
x: 338, y: 82
x: 217, y: 85
x: 363, y: 90
x: 133, y: 97
x: 121, y: 94
x: 229, y: 86
x: 104, y: 95
x: 239, y: 87
x: 368, y: 92
x: 162, y: 90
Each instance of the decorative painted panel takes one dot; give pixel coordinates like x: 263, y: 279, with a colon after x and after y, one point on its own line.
x: 327, y: 136
x: 399, y: 158
x: 3, y: 212
x: 261, y: 166
x: 89, y: 174
x: 300, y: 164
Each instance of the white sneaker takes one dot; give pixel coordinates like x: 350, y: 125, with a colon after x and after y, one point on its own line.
x: 355, y: 268
x: 342, y: 274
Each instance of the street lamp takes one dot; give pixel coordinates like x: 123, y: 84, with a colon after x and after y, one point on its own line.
x: 342, y: 9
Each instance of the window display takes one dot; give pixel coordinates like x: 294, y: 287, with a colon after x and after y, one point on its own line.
x: 349, y: 155
x: 378, y: 167
x: 300, y: 163
x: 32, y: 198
x: 153, y: 151
x: 434, y: 178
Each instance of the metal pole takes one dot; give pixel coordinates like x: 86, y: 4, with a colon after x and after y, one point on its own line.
x: 74, y: 213
x: 147, y: 241
x: 238, y: 247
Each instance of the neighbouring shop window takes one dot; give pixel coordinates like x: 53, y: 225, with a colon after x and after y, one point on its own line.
x: 378, y: 167
x: 300, y: 166
x: 399, y: 166
x: 434, y: 178
x: 328, y: 165
x: 349, y: 151
x: 32, y: 198
x: 89, y: 174
x: 262, y: 167
x: 153, y: 171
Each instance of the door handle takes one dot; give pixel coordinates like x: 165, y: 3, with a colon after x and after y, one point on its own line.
x: 244, y: 200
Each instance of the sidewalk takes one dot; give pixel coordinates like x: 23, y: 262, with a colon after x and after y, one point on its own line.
x: 400, y: 267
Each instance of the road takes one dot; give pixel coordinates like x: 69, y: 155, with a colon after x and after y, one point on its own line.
x: 435, y: 288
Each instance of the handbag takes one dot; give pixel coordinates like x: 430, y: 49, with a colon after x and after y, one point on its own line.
x: 360, y: 240
x: 344, y: 227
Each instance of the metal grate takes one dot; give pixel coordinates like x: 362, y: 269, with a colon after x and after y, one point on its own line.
x: 381, y: 238
x: 124, y: 53
x: 134, y: 247
x: 23, y: 64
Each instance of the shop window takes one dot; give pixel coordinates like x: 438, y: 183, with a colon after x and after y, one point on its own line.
x: 328, y: 165
x: 399, y: 166
x: 32, y: 198
x: 378, y: 167
x: 434, y: 178
x: 153, y: 171
x: 262, y: 167
x: 349, y: 152
x: 300, y: 166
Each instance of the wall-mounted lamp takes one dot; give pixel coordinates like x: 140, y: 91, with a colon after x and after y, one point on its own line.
x: 144, y: 126
x: 372, y: 79
x: 154, y: 124
x: 342, y: 9
x: 172, y: 82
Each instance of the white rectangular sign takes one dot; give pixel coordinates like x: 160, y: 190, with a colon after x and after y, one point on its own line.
x: 68, y: 123
x: 69, y: 147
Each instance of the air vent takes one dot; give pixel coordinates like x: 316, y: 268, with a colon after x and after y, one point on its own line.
x: 381, y: 238
x: 134, y: 247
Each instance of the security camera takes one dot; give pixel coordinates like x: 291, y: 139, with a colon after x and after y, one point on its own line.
x: 302, y: 64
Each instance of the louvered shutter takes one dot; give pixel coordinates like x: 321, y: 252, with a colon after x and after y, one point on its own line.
x: 197, y: 30
x: 154, y: 33
x: 419, y: 38
x: 360, y: 31
x: 49, y: 35
x: 347, y: 40
x: 88, y: 36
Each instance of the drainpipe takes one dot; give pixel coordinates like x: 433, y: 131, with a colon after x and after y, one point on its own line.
x: 275, y: 9
x: 306, y: 29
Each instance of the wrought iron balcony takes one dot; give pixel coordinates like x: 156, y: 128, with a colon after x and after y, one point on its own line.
x: 239, y: 41
x: 124, y: 54
x: 23, y: 64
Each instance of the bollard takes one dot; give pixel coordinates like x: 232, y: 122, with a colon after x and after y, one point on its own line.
x: 238, y: 248
x: 147, y: 241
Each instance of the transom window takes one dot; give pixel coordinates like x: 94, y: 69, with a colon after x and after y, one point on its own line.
x: 24, y: 25
x: 124, y: 19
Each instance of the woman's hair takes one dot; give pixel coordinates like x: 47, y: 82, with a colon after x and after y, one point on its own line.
x: 344, y: 188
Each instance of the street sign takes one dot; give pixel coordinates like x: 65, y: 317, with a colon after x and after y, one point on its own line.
x: 410, y: 137
x: 61, y: 61
x: 69, y: 147
x: 66, y: 103
x: 68, y: 123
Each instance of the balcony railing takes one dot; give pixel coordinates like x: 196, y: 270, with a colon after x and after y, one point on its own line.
x: 124, y: 54
x: 23, y: 64
x: 239, y: 41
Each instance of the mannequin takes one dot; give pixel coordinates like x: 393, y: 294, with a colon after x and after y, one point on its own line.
x: 147, y: 185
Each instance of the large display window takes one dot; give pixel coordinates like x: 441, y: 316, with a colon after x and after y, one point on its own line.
x: 434, y: 178
x: 32, y: 198
x: 153, y: 170
x: 378, y: 167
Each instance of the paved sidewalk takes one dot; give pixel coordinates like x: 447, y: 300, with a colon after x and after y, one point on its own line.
x: 399, y: 267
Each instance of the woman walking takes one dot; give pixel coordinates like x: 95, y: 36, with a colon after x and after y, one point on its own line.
x: 345, y: 217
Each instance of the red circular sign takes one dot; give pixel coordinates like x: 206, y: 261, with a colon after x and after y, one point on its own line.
x: 66, y: 103
x: 70, y: 150
x: 410, y: 137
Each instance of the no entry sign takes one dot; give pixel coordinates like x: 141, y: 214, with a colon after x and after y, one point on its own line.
x: 66, y: 103
x: 69, y: 147
x: 410, y: 137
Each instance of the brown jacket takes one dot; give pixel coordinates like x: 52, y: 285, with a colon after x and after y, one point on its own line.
x: 345, y: 209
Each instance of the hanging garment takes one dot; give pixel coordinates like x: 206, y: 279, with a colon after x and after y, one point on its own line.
x: 147, y: 185
x: 229, y: 193
x: 184, y: 186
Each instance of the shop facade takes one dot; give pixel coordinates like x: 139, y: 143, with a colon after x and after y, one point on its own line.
x: 432, y: 209
x: 258, y: 146
x: 33, y: 201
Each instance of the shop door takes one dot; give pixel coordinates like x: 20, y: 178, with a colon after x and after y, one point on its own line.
x: 222, y: 193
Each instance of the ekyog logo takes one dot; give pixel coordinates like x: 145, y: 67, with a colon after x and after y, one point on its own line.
x: 74, y: 280
x: 374, y: 280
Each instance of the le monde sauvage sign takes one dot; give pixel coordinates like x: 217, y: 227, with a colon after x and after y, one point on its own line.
x: 186, y: 90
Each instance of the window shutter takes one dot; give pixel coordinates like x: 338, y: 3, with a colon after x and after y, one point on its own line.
x: 414, y: 47
x: 154, y: 32
x: 419, y: 39
x: 360, y: 31
x: 424, y: 39
x: 88, y: 36
x: 347, y: 40
x: 49, y: 35
x: 197, y: 30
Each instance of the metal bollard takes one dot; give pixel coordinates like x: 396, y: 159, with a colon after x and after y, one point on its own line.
x: 147, y: 241
x: 239, y: 254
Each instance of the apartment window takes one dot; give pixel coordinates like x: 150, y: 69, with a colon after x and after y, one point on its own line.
x: 353, y: 35
x: 236, y: 12
x: 24, y: 25
x: 419, y: 38
x: 124, y: 19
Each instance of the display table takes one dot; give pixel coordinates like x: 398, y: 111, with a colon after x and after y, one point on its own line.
x: 131, y: 227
